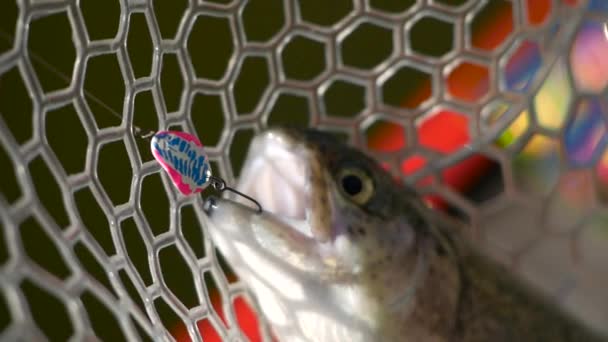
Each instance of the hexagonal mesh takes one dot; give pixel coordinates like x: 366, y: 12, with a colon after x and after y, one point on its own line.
x: 509, y: 97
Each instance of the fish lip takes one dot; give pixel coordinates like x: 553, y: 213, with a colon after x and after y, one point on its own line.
x: 276, y: 173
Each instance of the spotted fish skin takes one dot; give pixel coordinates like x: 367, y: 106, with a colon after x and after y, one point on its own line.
x: 327, y: 265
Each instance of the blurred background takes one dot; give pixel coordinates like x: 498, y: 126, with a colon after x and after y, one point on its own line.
x: 495, y: 110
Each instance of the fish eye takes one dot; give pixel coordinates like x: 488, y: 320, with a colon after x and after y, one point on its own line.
x: 356, y: 185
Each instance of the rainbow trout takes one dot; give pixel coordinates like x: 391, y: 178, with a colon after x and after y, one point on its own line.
x: 344, y: 253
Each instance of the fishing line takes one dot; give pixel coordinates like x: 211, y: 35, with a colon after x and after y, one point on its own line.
x: 137, y: 131
x: 180, y: 154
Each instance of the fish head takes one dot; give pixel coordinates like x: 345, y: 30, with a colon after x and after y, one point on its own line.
x: 335, y: 232
x: 338, y: 203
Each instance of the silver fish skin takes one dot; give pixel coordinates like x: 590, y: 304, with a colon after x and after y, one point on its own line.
x: 344, y: 253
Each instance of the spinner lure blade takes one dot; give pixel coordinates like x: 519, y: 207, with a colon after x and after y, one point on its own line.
x: 183, y: 157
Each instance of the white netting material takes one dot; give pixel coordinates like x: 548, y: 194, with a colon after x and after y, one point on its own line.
x: 554, y: 43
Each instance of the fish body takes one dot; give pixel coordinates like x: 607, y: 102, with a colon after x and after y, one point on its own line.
x: 344, y: 253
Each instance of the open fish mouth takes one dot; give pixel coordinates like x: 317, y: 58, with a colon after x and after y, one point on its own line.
x: 277, y: 174
x: 285, y: 236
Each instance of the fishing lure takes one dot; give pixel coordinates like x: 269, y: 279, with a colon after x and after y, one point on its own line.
x: 183, y: 157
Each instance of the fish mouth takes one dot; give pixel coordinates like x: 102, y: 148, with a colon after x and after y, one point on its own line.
x: 287, y: 233
x: 277, y: 174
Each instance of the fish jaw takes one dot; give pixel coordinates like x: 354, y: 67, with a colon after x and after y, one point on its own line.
x: 275, y: 173
x: 286, y: 179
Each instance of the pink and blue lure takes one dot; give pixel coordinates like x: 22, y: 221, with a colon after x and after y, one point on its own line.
x: 184, y: 159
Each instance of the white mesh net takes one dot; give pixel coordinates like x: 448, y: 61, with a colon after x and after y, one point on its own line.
x: 97, y: 243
